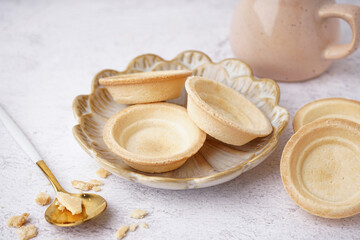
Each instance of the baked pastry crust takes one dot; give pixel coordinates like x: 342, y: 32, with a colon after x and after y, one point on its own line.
x: 223, y: 113
x: 327, y: 108
x: 320, y: 168
x: 156, y: 137
x: 146, y: 87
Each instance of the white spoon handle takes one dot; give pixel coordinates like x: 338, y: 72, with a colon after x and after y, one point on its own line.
x: 19, y: 136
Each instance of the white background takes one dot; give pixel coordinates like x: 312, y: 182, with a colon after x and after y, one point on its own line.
x: 49, y: 52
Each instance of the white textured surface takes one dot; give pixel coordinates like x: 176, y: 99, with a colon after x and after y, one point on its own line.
x: 49, y: 52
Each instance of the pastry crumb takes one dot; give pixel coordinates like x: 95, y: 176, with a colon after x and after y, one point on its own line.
x: 73, y: 204
x: 96, y: 189
x: 121, y: 232
x: 138, y: 213
x: 17, y: 221
x: 103, y: 173
x: 144, y: 225
x: 60, y: 206
x: 84, y: 186
x: 43, y: 199
x: 96, y: 182
x: 27, y: 232
x: 133, y: 227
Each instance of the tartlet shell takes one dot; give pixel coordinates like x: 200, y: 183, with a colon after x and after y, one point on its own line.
x: 147, y: 163
x: 216, y: 124
x: 327, y: 108
x: 146, y: 87
x: 304, y: 198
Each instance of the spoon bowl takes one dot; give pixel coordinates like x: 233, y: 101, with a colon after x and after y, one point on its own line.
x: 92, y: 206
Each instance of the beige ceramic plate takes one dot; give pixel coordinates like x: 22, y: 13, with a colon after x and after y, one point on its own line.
x: 327, y: 108
x: 216, y: 162
x: 320, y: 168
x: 154, y: 137
x: 224, y: 113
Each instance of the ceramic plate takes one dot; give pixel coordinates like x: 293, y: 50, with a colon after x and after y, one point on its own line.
x: 216, y: 162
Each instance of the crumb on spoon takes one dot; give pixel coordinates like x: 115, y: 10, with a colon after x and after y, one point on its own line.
x: 73, y: 204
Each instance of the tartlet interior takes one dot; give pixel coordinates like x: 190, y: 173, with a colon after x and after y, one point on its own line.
x: 154, y: 137
x: 230, y: 106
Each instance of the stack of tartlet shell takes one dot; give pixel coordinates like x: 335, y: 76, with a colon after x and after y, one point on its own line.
x: 320, y: 164
x: 214, y: 108
x: 151, y: 137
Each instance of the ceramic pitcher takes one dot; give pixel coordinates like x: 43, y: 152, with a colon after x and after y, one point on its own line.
x: 292, y: 40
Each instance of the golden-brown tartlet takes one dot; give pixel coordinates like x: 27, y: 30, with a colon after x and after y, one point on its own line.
x: 320, y: 168
x: 155, y: 137
x: 327, y: 108
x: 146, y: 87
x: 223, y: 113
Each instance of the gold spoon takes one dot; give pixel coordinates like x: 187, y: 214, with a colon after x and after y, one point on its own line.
x: 92, y: 204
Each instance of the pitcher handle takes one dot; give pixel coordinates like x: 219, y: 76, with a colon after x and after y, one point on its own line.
x: 349, y: 13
